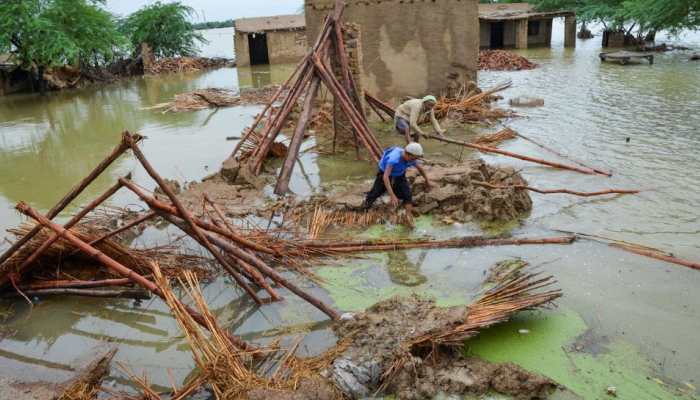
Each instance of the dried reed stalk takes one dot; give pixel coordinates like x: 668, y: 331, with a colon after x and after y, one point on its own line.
x: 494, y: 139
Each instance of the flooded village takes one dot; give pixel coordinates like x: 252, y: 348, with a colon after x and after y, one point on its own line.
x: 350, y: 199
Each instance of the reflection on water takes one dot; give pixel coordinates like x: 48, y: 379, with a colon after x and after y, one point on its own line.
x: 258, y: 76
x: 403, y: 271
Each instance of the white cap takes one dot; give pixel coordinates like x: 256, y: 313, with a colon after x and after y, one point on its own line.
x: 414, y: 149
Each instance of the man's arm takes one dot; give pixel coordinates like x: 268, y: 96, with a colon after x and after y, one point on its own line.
x: 436, y: 125
x: 387, y: 185
x: 420, y: 169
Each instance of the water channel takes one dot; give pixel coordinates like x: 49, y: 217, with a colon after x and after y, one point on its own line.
x: 625, y: 321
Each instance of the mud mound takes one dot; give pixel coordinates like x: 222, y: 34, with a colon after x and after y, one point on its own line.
x: 377, y: 335
x: 455, y: 194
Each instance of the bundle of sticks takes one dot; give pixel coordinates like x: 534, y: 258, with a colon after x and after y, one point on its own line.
x: 214, y: 98
x: 472, y: 108
x: 305, y: 82
x: 502, y: 60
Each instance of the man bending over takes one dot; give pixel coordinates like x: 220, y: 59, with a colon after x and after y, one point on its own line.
x: 391, y: 177
x: 410, y: 112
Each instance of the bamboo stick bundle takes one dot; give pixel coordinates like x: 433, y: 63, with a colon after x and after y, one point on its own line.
x: 445, y: 105
x: 494, y: 139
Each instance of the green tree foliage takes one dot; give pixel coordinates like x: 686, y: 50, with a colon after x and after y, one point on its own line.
x: 165, y: 27
x: 643, y: 15
x: 45, y: 33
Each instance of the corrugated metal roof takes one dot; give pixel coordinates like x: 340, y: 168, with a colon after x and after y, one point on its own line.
x: 274, y: 23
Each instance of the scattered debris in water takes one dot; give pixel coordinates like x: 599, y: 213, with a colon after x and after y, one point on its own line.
x: 502, y: 60
x: 215, y: 98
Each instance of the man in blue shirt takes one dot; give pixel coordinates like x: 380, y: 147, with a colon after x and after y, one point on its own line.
x: 391, y: 177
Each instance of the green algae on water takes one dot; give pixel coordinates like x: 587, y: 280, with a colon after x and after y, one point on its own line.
x: 538, y: 341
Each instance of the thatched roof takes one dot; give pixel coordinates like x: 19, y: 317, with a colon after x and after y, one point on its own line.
x: 266, y: 24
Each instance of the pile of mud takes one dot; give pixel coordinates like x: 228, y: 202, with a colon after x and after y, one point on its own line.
x: 377, y: 334
x: 456, y: 194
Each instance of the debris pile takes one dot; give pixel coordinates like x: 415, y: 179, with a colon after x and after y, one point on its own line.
x: 502, y: 60
x: 215, y: 98
x: 184, y: 64
x: 402, y: 345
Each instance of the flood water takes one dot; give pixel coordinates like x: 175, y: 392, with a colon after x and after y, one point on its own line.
x: 640, y: 121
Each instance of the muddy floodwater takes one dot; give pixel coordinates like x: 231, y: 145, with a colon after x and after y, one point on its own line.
x: 624, y: 321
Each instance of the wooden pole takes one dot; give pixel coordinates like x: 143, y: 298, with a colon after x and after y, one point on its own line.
x: 74, y: 192
x: 282, y: 185
x: 486, y: 149
x: 198, y: 235
x: 76, y: 284
x: 599, y: 171
x: 355, y: 247
x: 552, y: 191
x: 137, y: 294
x: 261, y: 266
x: 71, y: 223
x: 158, y: 205
x: 254, y: 273
x: 113, y: 265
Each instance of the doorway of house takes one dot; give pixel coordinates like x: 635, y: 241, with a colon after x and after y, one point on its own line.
x: 257, y: 46
x: 497, y: 29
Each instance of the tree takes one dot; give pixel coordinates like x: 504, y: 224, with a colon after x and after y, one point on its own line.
x: 646, y: 16
x: 165, y: 28
x: 47, y: 33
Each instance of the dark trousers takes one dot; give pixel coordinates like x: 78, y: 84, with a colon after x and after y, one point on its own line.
x: 399, y: 184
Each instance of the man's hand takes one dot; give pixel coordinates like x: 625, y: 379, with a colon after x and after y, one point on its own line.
x: 394, y: 200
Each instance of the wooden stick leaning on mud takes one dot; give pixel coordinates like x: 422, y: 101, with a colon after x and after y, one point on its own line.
x: 375, y: 102
x: 251, y: 131
x: 549, y: 149
x: 72, y: 222
x: 638, y: 249
x: 470, y: 241
x: 255, y: 275
x: 184, y: 214
x: 486, y: 149
x: 70, y: 196
x: 135, y: 222
x: 554, y: 191
x: 113, y: 265
x: 158, y: 205
x: 282, y: 185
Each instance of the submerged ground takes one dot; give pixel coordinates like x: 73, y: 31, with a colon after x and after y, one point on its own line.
x: 625, y: 321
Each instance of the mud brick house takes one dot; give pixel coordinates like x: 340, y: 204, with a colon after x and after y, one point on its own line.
x: 518, y: 25
x: 269, y: 40
x: 409, y: 47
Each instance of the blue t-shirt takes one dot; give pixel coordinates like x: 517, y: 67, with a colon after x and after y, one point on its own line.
x: 394, y: 156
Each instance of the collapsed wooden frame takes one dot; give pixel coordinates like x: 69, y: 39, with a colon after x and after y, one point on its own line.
x: 305, y: 82
x: 238, y: 256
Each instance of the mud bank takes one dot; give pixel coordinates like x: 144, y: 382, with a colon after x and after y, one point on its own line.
x: 376, y: 339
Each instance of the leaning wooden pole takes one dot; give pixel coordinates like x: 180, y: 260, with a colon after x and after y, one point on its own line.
x: 549, y: 149
x: 354, y: 247
x: 74, y: 192
x: 185, y: 214
x: 115, y: 266
x: 487, y: 149
x: 263, y: 268
x: 282, y: 185
x: 555, y: 191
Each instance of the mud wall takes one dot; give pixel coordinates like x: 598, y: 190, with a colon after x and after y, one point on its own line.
x: 282, y: 47
x: 544, y: 36
x: 409, y: 47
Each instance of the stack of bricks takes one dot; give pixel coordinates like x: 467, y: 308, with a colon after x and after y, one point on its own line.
x: 353, y: 49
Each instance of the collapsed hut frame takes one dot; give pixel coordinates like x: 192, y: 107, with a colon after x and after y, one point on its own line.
x: 305, y: 82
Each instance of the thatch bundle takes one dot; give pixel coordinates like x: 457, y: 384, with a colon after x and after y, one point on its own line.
x: 468, y: 107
